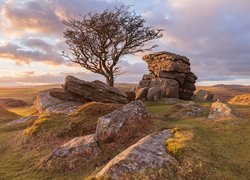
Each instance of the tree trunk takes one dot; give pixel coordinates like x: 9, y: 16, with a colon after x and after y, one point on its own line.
x: 110, y: 80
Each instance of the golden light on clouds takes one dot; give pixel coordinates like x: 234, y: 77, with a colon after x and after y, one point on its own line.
x: 211, y: 33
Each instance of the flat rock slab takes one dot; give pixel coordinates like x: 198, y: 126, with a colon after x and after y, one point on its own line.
x: 45, y: 103
x: 84, y: 146
x: 148, y: 153
x: 95, y: 91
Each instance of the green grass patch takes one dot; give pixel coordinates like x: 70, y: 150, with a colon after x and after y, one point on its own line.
x: 158, y: 109
x: 6, y: 115
x: 217, y: 149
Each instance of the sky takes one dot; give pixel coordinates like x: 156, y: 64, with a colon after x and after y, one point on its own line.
x: 213, y: 34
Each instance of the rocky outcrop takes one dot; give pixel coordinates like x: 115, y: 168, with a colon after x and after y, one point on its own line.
x: 182, y: 111
x: 203, y: 96
x: 169, y: 72
x: 221, y: 110
x: 10, y: 102
x: 45, y: 103
x: 148, y: 153
x: 243, y: 99
x: 84, y: 146
x: 115, y: 123
x: 94, y: 91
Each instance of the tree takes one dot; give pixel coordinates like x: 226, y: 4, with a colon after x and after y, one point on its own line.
x: 98, y: 41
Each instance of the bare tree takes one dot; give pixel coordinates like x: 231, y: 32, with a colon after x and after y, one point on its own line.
x: 97, y: 41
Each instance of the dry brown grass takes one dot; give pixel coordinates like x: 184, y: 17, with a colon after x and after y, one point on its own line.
x: 226, y: 92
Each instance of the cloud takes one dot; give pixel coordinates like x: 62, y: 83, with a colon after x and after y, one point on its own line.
x: 213, y: 34
x: 30, y: 17
x: 40, y: 52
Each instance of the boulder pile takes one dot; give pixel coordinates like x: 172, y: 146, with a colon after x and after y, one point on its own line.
x: 170, y: 77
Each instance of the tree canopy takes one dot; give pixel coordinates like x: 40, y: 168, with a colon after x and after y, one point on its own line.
x: 97, y: 41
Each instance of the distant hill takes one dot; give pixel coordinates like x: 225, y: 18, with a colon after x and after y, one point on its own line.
x: 226, y: 92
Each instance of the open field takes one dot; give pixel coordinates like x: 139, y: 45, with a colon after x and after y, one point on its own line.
x: 26, y: 94
x: 226, y: 92
x: 218, y: 149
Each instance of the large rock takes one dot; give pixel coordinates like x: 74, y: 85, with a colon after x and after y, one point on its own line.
x: 169, y: 87
x: 190, y: 110
x: 45, y: 103
x: 84, y: 146
x: 180, y: 77
x: 165, y: 61
x: 144, y: 83
x: 147, y: 154
x: 64, y: 95
x: 154, y: 93
x: 221, y: 110
x: 10, y: 102
x: 172, y: 73
x: 113, y: 124
x: 95, y: 91
x: 186, y: 94
x: 203, y: 96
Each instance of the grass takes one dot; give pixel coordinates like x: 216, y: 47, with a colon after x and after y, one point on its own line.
x: 215, y: 150
x: 82, y: 122
x: 158, y: 109
x: 26, y: 94
x: 221, y: 147
x: 177, y: 142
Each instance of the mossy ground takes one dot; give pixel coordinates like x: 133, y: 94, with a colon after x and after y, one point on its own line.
x: 217, y: 150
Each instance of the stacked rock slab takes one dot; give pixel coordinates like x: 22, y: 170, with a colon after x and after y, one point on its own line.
x: 170, y: 77
x: 78, y: 90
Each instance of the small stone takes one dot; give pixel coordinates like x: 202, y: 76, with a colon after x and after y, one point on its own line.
x: 190, y: 110
x: 221, y: 110
x: 84, y: 146
x: 203, y: 96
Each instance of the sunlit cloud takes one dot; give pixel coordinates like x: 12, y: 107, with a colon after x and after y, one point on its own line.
x: 214, y: 35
